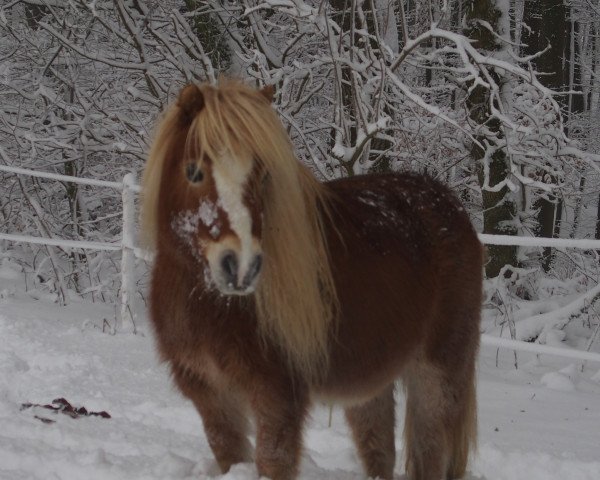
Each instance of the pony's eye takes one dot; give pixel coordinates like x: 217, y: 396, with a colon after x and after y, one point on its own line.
x: 193, y: 173
x: 265, y: 179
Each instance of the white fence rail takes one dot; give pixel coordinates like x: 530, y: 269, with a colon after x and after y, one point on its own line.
x: 62, y: 178
x: 128, y: 188
x: 59, y: 242
x: 509, y: 344
x: 582, y: 244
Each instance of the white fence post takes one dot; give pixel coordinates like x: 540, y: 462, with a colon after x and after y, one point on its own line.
x: 127, y: 321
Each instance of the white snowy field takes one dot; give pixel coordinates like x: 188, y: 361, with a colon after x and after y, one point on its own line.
x: 541, y: 421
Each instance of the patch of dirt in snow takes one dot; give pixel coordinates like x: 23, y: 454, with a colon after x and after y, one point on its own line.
x: 527, y: 430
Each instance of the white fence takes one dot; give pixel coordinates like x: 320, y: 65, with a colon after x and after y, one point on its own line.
x: 129, y: 188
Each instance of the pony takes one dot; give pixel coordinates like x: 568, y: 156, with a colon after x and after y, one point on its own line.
x: 272, y: 290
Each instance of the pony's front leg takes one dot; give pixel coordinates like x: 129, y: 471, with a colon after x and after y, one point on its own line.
x: 280, y: 414
x: 225, y: 423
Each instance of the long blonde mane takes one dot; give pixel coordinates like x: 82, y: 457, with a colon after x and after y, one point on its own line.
x: 296, y: 300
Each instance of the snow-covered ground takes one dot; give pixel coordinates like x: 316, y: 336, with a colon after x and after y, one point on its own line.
x: 540, y: 422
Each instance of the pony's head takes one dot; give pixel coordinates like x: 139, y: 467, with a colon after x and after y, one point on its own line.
x: 224, y: 191
x: 210, y: 195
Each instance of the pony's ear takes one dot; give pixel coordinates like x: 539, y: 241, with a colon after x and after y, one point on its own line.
x: 190, y: 101
x: 268, y: 91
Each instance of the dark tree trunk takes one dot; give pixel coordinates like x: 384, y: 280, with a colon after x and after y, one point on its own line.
x: 593, y: 40
x: 597, y: 236
x: 577, y: 210
x: 342, y: 14
x: 576, y: 106
x: 499, y: 208
x: 549, y: 23
x: 577, y: 102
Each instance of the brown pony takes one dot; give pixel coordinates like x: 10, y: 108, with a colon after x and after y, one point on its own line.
x: 271, y: 290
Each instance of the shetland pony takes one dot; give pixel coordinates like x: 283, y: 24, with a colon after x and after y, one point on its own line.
x: 271, y: 290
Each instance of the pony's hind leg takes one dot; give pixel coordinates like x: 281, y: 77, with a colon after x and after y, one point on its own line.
x: 224, y: 420
x: 425, y: 442
x: 440, y: 421
x: 462, y: 428
x: 372, y: 424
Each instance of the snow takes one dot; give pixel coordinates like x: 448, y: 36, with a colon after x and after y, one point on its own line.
x: 558, y: 381
x: 538, y: 422
x: 187, y: 222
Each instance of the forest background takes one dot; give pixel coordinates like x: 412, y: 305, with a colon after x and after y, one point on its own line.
x: 498, y: 98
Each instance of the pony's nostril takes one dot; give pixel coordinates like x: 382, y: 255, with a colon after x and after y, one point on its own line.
x: 229, y: 264
x: 255, y: 266
x: 253, y: 271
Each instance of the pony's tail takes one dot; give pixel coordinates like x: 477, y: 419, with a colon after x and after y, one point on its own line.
x: 463, y: 437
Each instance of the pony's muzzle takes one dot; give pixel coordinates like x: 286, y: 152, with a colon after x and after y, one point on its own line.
x: 235, y: 279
